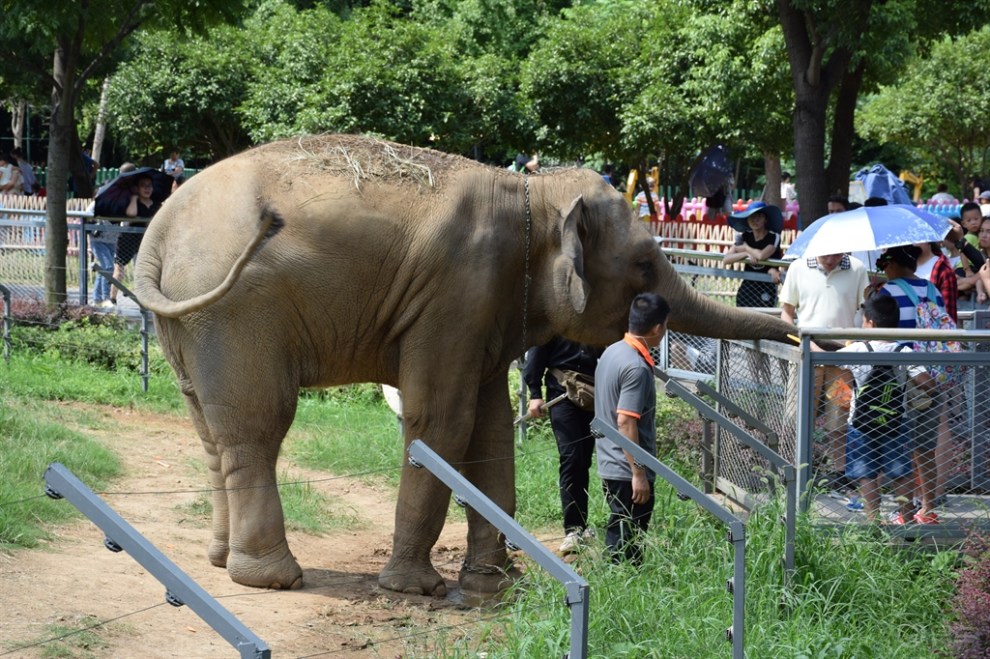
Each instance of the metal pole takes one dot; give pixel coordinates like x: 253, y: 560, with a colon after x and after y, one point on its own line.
x: 180, y: 588
x: 421, y: 455
x: 145, y: 327
x: 83, y: 262
x: 804, y: 456
x: 523, y: 399
x: 8, y: 314
x: 737, y: 534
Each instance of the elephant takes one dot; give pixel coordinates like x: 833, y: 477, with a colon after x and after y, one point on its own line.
x: 334, y: 259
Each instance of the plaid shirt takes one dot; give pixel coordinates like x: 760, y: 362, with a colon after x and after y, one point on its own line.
x: 944, y: 279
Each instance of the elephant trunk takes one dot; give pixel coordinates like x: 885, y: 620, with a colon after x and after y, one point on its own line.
x: 148, y: 273
x: 694, y: 313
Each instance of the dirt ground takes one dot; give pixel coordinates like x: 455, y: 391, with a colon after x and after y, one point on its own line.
x: 75, y: 582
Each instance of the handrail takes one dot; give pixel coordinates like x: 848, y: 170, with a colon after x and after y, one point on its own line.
x: 421, y: 455
x: 180, y: 589
x: 737, y: 529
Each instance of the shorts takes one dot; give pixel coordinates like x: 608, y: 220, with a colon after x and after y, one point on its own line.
x: 866, y: 457
x: 127, y: 247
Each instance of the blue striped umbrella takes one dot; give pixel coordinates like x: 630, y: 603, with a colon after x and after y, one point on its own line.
x: 872, y: 228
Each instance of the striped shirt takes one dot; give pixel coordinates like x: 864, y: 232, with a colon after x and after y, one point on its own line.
x: 909, y: 315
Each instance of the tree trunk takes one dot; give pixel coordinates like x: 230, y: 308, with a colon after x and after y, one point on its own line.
x: 18, y: 110
x: 59, y: 146
x: 771, y: 189
x: 101, y: 122
x: 814, y: 77
x: 809, y: 153
x: 843, y: 132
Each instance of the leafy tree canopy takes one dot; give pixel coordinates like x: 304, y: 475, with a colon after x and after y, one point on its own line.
x: 937, y: 107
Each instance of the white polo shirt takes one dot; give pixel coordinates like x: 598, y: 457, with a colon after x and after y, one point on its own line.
x: 825, y: 300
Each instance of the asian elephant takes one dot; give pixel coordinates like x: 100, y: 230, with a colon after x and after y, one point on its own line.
x: 336, y: 259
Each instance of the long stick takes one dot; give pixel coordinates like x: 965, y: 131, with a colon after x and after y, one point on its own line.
x: 544, y: 406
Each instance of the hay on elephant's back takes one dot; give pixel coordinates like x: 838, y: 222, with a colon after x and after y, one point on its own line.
x: 364, y: 158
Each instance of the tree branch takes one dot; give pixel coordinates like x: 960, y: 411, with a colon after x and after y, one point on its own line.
x: 130, y: 23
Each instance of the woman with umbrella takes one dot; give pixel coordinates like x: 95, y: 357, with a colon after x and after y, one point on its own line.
x: 757, y: 239
x: 141, y: 207
x: 134, y: 194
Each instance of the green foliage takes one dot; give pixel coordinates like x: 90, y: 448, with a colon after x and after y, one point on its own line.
x: 932, y: 110
x: 33, y: 437
x: 181, y: 91
x: 577, y: 79
x: 847, y: 596
x: 71, y: 353
x: 347, y: 431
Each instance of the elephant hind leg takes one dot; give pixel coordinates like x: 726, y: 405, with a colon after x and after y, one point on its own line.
x: 242, y: 443
x: 220, y: 542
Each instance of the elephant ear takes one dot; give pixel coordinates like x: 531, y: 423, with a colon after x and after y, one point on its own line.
x: 569, y: 266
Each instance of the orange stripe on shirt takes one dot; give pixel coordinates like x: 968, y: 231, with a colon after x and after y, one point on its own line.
x: 640, y: 348
x: 635, y: 415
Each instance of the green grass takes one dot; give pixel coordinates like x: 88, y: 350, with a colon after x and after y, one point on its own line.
x: 31, y: 437
x: 349, y: 430
x: 852, y: 597
x: 48, y: 377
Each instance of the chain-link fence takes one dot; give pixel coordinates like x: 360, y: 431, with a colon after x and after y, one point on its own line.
x: 921, y: 460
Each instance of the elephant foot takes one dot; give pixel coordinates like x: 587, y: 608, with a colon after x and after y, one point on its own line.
x: 218, y: 553
x: 488, y: 580
x: 278, y: 571
x: 412, y: 579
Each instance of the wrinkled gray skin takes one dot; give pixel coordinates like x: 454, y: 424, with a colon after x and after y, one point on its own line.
x: 291, y: 265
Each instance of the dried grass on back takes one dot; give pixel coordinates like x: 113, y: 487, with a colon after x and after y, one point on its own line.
x: 364, y: 158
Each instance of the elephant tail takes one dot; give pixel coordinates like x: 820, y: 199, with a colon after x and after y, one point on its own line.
x: 148, y: 275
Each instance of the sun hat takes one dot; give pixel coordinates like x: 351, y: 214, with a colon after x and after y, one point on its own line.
x: 775, y: 219
x: 985, y: 194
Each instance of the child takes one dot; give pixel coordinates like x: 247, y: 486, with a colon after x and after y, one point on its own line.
x: 869, y: 454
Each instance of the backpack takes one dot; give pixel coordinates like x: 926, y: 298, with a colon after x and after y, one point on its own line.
x: 880, y: 400
x: 931, y: 316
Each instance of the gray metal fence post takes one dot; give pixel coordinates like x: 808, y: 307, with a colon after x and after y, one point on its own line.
x: 179, y: 587
x: 804, y: 451
x: 83, y: 261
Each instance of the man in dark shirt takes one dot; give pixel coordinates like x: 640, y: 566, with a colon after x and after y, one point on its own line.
x: 571, y: 427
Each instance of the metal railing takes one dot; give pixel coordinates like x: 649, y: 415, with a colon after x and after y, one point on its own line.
x: 180, y: 589
x: 737, y: 529
x: 576, y: 587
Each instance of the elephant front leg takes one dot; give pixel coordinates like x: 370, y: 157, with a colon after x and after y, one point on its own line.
x: 490, y: 465
x: 419, y: 518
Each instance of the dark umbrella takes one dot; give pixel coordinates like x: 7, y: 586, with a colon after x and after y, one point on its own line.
x: 712, y: 172
x: 878, y: 181
x: 112, y: 198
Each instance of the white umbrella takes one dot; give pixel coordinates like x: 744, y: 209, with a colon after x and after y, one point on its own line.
x: 865, y: 229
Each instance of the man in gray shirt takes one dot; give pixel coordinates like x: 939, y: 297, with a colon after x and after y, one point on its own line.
x: 626, y: 399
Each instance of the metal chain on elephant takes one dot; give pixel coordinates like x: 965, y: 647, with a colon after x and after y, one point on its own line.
x: 526, y: 278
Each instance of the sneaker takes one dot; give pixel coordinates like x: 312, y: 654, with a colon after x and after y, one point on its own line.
x: 927, y: 517
x: 896, y: 518
x: 588, y: 534
x: 855, y: 504
x: 571, y: 543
